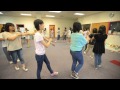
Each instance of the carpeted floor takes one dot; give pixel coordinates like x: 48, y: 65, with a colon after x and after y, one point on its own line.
x: 61, y: 61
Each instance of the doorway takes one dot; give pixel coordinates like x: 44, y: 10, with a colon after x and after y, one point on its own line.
x: 52, y: 31
x: 1, y: 25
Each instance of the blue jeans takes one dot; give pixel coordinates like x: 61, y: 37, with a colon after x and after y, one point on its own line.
x: 17, y: 54
x: 77, y: 57
x: 7, y: 54
x: 97, y: 59
x: 40, y: 59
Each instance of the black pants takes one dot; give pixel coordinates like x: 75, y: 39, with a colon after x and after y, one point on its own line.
x: 58, y: 37
x: 64, y: 38
x: 85, y: 47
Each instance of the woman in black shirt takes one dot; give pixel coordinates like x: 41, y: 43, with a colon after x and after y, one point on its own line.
x: 99, y: 46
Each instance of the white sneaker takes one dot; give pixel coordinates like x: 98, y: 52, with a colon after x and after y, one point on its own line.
x: 18, y: 60
x: 74, y: 75
x: 11, y: 62
x: 25, y: 69
x: 54, y: 74
x: 96, y: 68
x: 99, y: 66
x: 17, y: 68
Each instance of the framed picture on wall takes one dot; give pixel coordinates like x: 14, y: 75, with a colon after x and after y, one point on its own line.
x: 114, y: 27
x: 86, y: 26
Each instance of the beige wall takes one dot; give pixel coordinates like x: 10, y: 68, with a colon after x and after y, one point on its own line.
x: 61, y: 23
x: 28, y: 22
x: 100, y: 17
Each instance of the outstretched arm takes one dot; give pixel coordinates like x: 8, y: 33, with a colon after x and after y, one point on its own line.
x: 14, y: 37
x: 2, y: 39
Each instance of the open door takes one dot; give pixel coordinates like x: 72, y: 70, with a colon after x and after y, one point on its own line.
x: 1, y: 25
x: 52, y: 31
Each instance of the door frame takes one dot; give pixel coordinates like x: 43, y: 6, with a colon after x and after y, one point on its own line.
x: 51, y: 26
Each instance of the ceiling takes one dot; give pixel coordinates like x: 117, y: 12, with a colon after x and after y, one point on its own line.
x: 63, y: 14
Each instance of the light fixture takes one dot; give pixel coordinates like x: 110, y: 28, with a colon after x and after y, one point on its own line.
x: 50, y: 16
x: 55, y: 11
x: 25, y: 14
x: 79, y: 14
x: 1, y: 13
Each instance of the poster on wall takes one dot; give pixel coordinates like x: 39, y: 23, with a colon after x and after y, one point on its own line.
x: 86, y: 26
x: 22, y: 29
x: 114, y: 28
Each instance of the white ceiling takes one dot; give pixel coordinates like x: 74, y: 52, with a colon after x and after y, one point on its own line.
x: 63, y: 14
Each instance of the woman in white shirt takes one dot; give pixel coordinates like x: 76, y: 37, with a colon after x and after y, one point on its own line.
x: 4, y: 46
x: 40, y: 44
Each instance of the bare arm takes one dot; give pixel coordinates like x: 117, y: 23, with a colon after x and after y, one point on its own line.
x: 46, y: 44
x: 47, y: 39
x: 87, y: 38
x: 31, y: 33
x: 2, y: 39
x: 14, y: 37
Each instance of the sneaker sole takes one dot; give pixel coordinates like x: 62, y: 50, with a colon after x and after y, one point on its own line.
x: 74, y: 77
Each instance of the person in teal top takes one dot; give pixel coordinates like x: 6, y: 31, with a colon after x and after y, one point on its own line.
x: 78, y: 41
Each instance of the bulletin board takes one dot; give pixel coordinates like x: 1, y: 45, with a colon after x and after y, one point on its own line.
x: 97, y: 25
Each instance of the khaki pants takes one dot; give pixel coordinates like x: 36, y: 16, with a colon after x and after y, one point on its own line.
x: 90, y: 47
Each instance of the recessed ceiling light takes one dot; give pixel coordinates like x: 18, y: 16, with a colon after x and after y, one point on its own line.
x: 79, y: 14
x: 1, y: 13
x: 50, y: 16
x: 55, y: 11
x: 25, y: 14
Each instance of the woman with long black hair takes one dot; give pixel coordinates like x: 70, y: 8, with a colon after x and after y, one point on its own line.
x: 99, y: 46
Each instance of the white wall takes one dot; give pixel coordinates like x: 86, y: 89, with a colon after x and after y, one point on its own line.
x: 27, y: 21
x: 100, y: 17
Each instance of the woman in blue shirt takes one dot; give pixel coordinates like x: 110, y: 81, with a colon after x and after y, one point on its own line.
x: 78, y: 41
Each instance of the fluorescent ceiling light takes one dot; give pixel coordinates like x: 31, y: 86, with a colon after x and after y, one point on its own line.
x: 25, y: 14
x: 55, y: 11
x: 1, y: 13
x: 79, y: 14
x: 50, y: 16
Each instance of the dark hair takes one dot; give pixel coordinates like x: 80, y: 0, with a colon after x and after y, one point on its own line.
x: 102, y: 29
x: 26, y: 29
x: 7, y: 25
x: 37, y: 22
x: 94, y: 30
x: 77, y: 27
